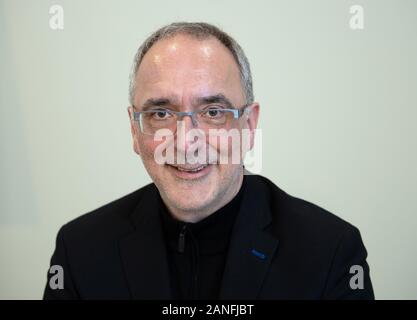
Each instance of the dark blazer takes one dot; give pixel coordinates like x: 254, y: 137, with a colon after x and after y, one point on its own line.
x: 281, y: 247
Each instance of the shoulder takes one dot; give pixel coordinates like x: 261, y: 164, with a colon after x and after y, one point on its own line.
x: 316, y: 248
x: 293, y: 217
x: 109, y: 221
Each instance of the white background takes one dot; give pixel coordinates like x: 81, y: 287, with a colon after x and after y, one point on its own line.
x: 338, y: 114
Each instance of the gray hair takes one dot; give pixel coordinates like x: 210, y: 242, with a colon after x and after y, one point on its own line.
x: 201, y: 31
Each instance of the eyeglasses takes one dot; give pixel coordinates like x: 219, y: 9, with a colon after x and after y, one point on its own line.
x: 211, y: 117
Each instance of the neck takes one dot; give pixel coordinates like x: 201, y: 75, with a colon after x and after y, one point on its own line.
x: 199, y: 214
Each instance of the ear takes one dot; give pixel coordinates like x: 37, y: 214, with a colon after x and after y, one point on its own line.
x: 252, y: 121
x: 134, y: 129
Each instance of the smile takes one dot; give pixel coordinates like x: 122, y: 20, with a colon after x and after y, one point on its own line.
x: 190, y: 172
x: 196, y: 169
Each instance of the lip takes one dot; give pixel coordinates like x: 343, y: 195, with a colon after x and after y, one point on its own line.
x: 190, y: 175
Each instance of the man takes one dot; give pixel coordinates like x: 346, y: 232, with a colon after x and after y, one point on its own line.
x: 204, y: 229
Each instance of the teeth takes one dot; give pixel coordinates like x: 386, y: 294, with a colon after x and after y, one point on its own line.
x: 192, y: 170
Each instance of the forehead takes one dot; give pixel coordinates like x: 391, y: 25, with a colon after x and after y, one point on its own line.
x: 186, y: 67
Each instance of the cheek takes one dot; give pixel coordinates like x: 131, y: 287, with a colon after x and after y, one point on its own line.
x: 228, y: 149
x: 147, y: 147
x: 155, y: 153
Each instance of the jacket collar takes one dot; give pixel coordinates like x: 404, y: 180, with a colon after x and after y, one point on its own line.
x: 144, y: 256
x: 251, y: 247
x: 143, y: 251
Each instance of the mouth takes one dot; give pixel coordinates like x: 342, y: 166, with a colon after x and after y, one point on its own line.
x: 189, y: 172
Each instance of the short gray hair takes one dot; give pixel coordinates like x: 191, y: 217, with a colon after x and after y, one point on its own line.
x: 201, y: 31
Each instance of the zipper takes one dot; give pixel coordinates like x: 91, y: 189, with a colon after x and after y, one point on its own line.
x: 194, y: 258
x: 194, y: 265
x: 181, y: 239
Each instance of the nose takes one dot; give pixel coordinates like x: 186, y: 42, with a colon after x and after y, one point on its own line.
x: 184, y: 138
x: 184, y: 125
x: 189, y: 121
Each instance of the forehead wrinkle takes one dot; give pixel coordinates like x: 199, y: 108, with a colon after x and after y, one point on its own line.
x: 203, y: 68
x: 183, y: 52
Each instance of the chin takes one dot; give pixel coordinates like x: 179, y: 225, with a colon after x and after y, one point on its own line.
x: 190, y: 199
x: 189, y: 193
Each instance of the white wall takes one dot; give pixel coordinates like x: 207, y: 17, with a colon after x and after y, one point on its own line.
x: 338, y: 118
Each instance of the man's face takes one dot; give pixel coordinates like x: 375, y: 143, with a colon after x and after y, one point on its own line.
x: 181, y: 71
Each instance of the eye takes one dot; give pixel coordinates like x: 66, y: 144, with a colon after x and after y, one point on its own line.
x: 161, y: 114
x: 213, y: 113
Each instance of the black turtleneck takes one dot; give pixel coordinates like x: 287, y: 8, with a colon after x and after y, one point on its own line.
x: 197, y: 251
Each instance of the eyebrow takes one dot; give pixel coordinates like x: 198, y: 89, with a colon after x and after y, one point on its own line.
x: 156, y: 102
x: 217, y: 98
x: 166, y: 101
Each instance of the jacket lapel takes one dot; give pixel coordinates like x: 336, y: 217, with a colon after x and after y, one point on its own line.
x: 143, y: 252
x: 251, y: 247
